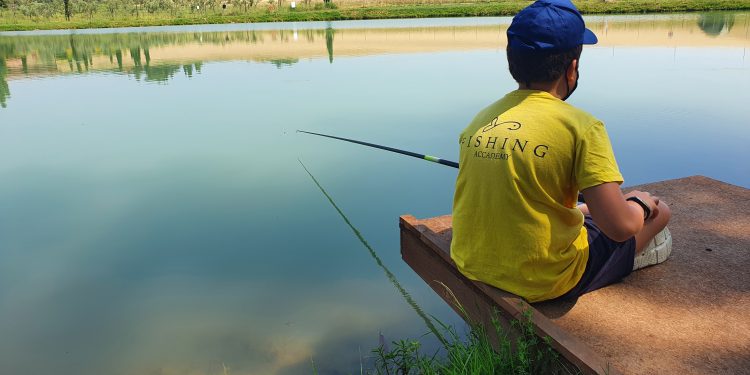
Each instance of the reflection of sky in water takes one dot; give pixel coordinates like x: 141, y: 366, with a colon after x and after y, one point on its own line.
x: 170, y: 227
x: 672, y: 112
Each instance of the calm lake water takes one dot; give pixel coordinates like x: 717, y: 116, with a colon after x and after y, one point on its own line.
x: 154, y: 218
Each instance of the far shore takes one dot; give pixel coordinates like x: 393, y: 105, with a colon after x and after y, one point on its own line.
x: 281, y: 11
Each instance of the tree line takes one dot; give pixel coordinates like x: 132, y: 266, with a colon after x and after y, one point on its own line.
x: 48, y: 9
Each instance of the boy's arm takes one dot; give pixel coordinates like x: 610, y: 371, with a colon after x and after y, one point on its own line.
x: 618, y: 218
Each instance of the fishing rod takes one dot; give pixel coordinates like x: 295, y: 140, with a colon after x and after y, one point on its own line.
x: 433, y: 159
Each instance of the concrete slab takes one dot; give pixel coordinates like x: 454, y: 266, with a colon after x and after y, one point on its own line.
x: 688, y: 315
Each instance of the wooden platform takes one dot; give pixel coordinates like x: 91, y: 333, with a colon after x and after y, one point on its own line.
x: 688, y: 315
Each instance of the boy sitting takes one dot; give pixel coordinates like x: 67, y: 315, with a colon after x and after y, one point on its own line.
x: 523, y: 160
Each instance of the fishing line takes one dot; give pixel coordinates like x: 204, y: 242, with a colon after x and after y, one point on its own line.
x: 380, y: 264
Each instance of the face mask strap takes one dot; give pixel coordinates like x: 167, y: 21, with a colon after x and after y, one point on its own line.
x: 567, y: 87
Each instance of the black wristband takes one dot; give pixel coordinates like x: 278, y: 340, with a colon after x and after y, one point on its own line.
x: 644, y: 206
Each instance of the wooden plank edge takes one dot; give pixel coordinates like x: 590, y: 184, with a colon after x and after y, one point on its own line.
x: 513, y: 307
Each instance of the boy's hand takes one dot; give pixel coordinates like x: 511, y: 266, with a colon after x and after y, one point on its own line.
x: 651, y: 200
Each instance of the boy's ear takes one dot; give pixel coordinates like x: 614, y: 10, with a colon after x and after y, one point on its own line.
x: 572, y: 70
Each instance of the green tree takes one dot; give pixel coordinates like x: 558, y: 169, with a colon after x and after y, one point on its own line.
x: 152, y: 6
x: 47, y: 9
x: 112, y: 7
x: 209, y: 4
x: 11, y: 5
x: 66, y: 4
x: 31, y: 9
x: 135, y: 7
x: 245, y: 4
x: 86, y: 7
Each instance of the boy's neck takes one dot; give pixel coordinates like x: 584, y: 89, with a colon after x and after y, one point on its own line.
x: 554, y: 87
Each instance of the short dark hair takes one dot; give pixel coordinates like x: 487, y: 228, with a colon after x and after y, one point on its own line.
x: 529, y: 67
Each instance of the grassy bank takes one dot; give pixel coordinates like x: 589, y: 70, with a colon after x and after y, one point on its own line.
x: 278, y: 10
x: 521, y: 354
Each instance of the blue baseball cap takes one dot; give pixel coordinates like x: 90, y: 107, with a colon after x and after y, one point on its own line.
x: 548, y: 26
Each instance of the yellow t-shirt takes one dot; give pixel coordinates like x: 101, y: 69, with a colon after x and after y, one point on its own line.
x: 522, y: 162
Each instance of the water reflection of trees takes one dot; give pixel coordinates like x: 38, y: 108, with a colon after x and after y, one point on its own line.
x: 4, y: 89
x: 50, y: 47
x: 46, y: 51
x: 78, y: 47
x: 329, y: 42
x: 713, y: 24
x: 280, y: 63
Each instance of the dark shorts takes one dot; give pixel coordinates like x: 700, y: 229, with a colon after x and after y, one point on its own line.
x: 609, y: 261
